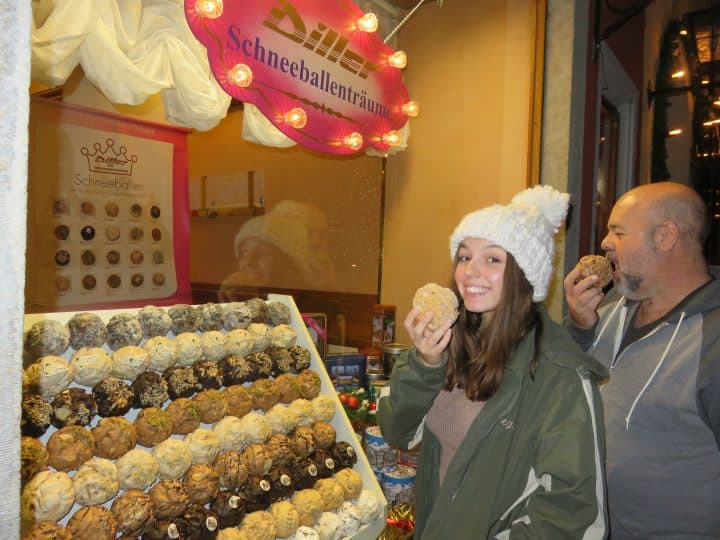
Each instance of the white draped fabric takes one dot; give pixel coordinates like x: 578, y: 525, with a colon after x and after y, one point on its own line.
x: 133, y: 49
x: 14, y: 109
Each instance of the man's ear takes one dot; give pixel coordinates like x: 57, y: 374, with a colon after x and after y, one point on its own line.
x: 666, y: 235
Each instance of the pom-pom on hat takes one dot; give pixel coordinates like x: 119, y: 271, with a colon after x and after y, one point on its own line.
x: 525, y: 228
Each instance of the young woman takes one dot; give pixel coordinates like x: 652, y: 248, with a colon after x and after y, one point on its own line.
x: 504, y: 402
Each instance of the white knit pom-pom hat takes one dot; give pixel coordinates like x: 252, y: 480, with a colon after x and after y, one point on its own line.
x: 525, y: 228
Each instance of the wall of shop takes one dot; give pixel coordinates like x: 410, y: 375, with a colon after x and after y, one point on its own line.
x: 469, y: 67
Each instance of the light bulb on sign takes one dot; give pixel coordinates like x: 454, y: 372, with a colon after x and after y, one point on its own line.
x: 391, y: 138
x: 240, y: 75
x: 411, y: 109
x: 368, y: 22
x: 211, y: 9
x: 296, y: 118
x: 677, y: 74
x: 354, y: 141
x: 397, y: 60
x: 674, y: 132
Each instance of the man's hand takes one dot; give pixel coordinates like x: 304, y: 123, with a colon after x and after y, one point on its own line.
x: 582, y: 298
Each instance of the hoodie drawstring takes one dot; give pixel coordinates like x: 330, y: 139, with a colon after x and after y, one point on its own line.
x: 602, y: 330
x: 652, y: 375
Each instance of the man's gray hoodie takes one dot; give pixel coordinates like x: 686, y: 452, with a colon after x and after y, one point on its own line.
x: 662, y: 418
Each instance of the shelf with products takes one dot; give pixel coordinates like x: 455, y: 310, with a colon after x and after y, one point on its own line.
x: 339, y: 420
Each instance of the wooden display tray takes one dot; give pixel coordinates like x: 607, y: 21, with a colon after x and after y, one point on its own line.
x: 340, y: 421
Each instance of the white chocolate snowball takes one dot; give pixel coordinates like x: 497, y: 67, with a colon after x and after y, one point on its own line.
x: 261, y: 336
x: 188, y: 348
x: 137, y: 468
x: 306, y: 533
x: 282, y: 419
x: 367, y: 505
x: 96, y: 481
x: 174, y: 458
x: 230, y: 433
x: 161, y: 352
x: 283, y: 336
x: 304, y: 410
x: 213, y: 343
x: 255, y: 428
x: 92, y: 365
x: 329, y: 526
x: 239, y: 342
x: 323, y: 407
x: 51, y: 375
x: 129, y: 362
x: 259, y: 526
x: 287, y: 518
x: 204, y: 445
x: 48, y: 496
x: 350, y: 519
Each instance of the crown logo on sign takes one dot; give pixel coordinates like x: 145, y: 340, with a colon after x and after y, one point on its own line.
x: 108, y: 160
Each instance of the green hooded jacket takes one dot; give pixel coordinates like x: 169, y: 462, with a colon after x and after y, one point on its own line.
x: 531, y: 464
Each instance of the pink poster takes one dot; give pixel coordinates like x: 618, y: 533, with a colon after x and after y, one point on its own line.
x: 308, y: 66
x: 108, y: 213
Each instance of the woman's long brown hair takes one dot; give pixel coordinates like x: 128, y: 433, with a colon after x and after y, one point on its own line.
x: 480, y: 347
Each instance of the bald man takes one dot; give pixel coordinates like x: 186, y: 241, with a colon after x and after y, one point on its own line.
x: 658, y: 332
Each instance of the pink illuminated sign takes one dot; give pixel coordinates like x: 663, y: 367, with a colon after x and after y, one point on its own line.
x: 307, y: 66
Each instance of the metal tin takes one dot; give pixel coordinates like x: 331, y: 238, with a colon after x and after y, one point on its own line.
x: 374, y: 358
x: 392, y: 352
x: 399, y: 485
x: 380, y: 455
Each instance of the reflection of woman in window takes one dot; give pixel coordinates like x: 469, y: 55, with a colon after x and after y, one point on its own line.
x: 286, y: 248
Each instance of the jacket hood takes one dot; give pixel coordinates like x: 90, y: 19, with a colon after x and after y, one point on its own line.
x: 558, y: 348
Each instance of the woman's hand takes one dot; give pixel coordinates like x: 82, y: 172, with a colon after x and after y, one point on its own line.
x: 429, y: 345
